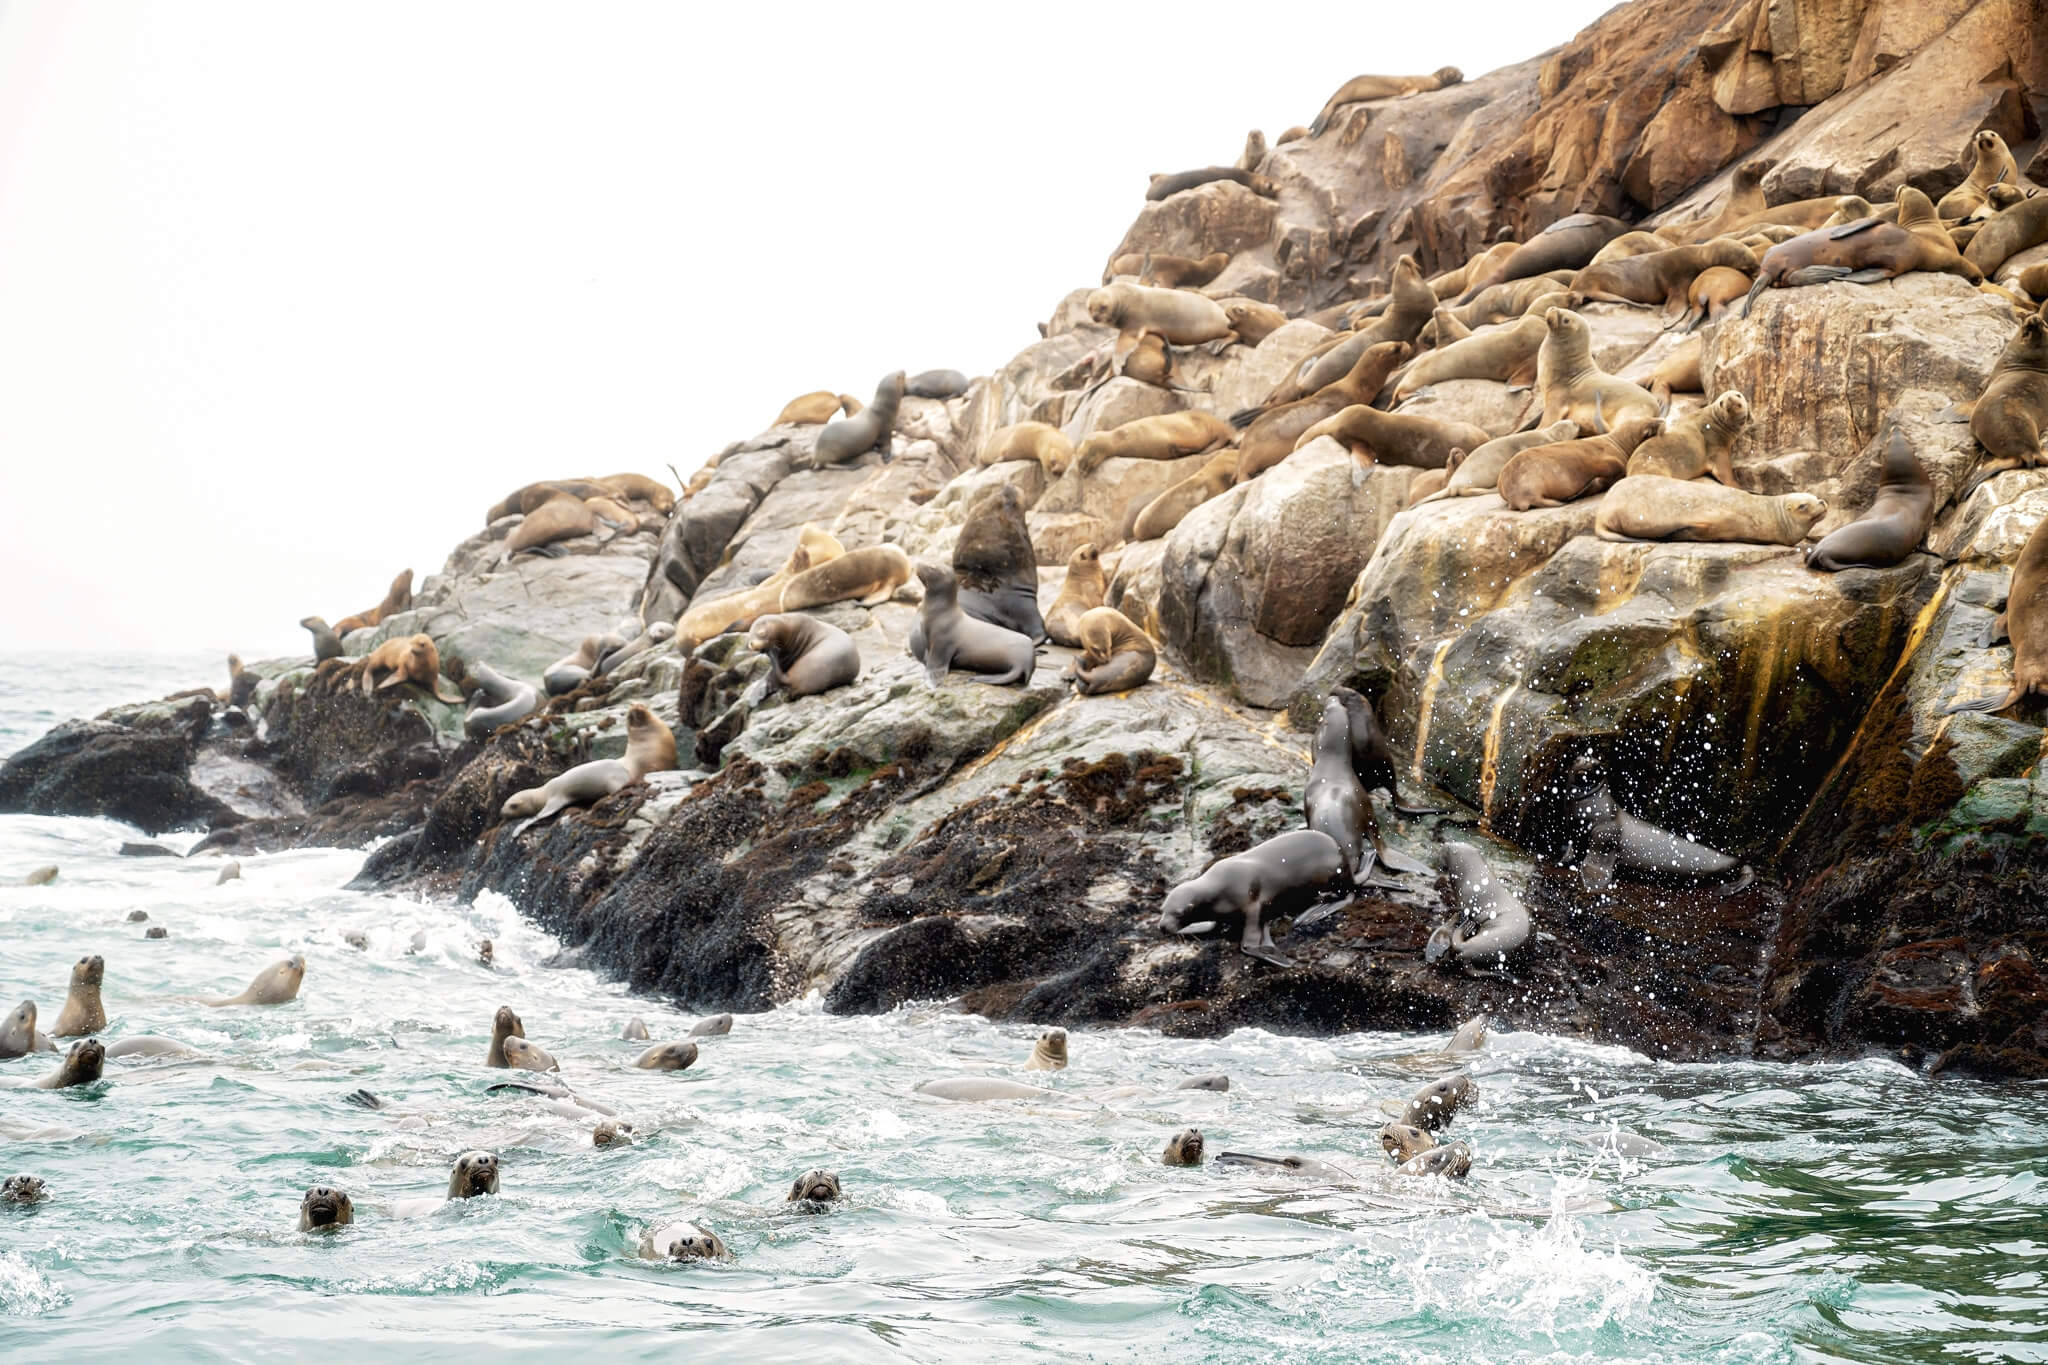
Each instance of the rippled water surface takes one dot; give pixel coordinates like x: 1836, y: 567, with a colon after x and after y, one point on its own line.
x: 1850, y: 1212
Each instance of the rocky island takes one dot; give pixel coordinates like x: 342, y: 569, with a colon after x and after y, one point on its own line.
x: 1543, y: 669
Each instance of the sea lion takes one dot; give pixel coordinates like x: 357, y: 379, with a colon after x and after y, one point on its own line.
x: 1373, y: 761
x: 1452, y: 1161
x: 853, y: 436
x: 1359, y: 89
x: 1183, y: 1148
x: 1115, y: 654
x: 1040, y: 441
x: 950, y: 638
x: 1696, y: 444
x: 682, y: 1242
x: 814, y: 1187
x: 1168, y: 436
x: 652, y: 634
x: 640, y: 488
x: 1488, y: 921
x: 156, y: 931
x: 1410, y: 307
x: 277, y: 984
x: 326, y: 644
x: 1151, y: 362
x: 504, y: 1024
x: 1404, y: 1141
x: 2034, y: 280
x: 1479, y: 471
x: 42, y: 876
x: 712, y: 1026
x: 82, y: 1065
x: 1707, y: 299
x: 563, y: 517
x: 1471, y: 1035
x: 611, y: 1133
x: 138, y: 916
x: 1306, y: 1167
x: 1572, y: 386
x: 1679, y: 371
x: 1499, y: 303
x: 1436, y: 1104
x: 1217, y: 1082
x: 397, y: 598
x: 1567, y: 244
x: 498, y: 700
x: 1553, y: 475
x: 475, y: 1173
x: 1256, y: 886
x: 1049, y: 1053
x: 529, y: 497
x: 574, y: 669
x: 149, y: 1045
x: 230, y: 872
x: 635, y: 1030
x: 995, y: 565
x: 1866, y: 251
x: 1661, y: 277
x: 1164, y: 271
x: 18, y: 1036
x: 1277, y: 432
x: 520, y: 1055
x: 815, y: 409
x: 2007, y: 234
x: 1253, y: 321
x: 2025, y: 622
x: 1652, y: 507
x: 1630, y: 245
x: 83, y: 1013
x: 937, y: 384
x: 1181, y: 316
x: 1399, y: 438
x: 1606, y: 840
x: 705, y: 619
x: 1166, y: 186
x: 1507, y: 354
x: 668, y: 1057
x: 409, y: 659
x: 22, y: 1189
x: 1254, y: 151
x: 806, y: 656
x: 324, y: 1206
x: 1333, y: 801
x: 650, y: 748
x: 977, y: 1089
x: 2011, y: 417
x: 1081, y: 593
x: 1894, y: 524
x: 1443, y: 329
x: 1161, y: 514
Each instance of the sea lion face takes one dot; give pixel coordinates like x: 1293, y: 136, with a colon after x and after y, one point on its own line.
x: 1218, y: 1083
x: 814, y: 1187
x: 936, y: 580
x: 1804, y: 509
x: 1731, y: 411
x: 475, y: 1173
x: 1053, y: 1043
x: 1102, y: 307
x: 1433, y: 1106
x: 611, y: 1134
x: 18, y: 1030
x: 505, y: 1024
x: 84, y: 1063
x: 325, y: 1207
x: 21, y: 1189
x: 1084, y: 557
x: 1449, y: 75
x: 88, y: 971
x: 1183, y: 1148
x: 701, y: 1245
x: 639, y: 721
x: 1403, y: 1140
x: 669, y: 1057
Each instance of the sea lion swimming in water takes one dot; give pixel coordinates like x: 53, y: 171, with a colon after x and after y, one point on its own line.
x: 1306, y: 1167
x: 21, y: 1189
x: 325, y: 1207
x: 1183, y: 1148
x: 977, y: 1089
x: 668, y: 1057
x: 1488, y: 921
x: 1415, y: 1152
x: 475, y: 1173
x: 682, y: 1242
x: 814, y: 1187
x: 504, y: 1024
x: 82, y: 1065
x: 42, y: 876
x: 712, y: 1026
x: 276, y: 984
x: 1256, y: 886
x: 1615, y: 842
x: 149, y: 1045
x: 1436, y: 1104
x: 18, y: 1036
x: 611, y: 1133
x: 524, y: 1056
x: 1049, y: 1053
x: 634, y: 1032
x: 83, y: 1013
x: 650, y: 747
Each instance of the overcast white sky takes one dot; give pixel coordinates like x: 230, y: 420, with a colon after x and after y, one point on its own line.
x: 291, y: 292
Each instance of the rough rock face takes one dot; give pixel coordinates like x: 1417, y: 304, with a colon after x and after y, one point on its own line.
x: 1007, y: 848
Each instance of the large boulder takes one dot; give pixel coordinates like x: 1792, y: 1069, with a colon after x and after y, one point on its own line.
x: 131, y: 764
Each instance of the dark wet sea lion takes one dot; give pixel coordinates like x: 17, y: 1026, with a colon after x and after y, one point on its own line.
x: 1371, y: 758
x: 667, y: 1057
x: 1615, y: 843
x: 940, y: 384
x: 1567, y: 244
x: 712, y: 1026
x: 1333, y: 801
x: 1436, y: 1104
x: 849, y: 437
x: 22, y: 1189
x: 475, y: 1173
x: 1894, y: 524
x: 1452, y: 1161
x: 325, y: 1207
x: 1864, y: 251
x: 950, y: 638
x: 2025, y: 622
x: 1488, y: 920
x: 2011, y: 417
x: 995, y: 565
x: 276, y: 984
x: 82, y: 1065
x: 611, y: 1133
x: 1284, y: 873
x: 1049, y: 1053
x: 326, y: 644
x: 1183, y: 1148
x: 505, y: 1024
x: 806, y: 656
x: 814, y: 1187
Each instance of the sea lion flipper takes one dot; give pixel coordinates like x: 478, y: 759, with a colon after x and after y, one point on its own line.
x: 1200, y: 926
x: 1439, y: 942
x: 1955, y: 412
x: 1836, y: 234
x: 1397, y: 861
x: 362, y: 1099
x: 1867, y: 275
x: 1999, y: 631
x: 1815, y: 274
x: 1399, y: 809
x: 1272, y: 957
x: 1322, y: 912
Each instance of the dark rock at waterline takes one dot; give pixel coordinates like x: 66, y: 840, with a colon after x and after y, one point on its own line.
x: 130, y: 765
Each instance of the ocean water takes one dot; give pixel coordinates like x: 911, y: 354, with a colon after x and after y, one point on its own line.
x: 1844, y: 1212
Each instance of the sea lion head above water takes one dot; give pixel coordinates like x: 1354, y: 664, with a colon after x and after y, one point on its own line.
x: 505, y: 1024
x: 684, y: 1242
x: 611, y: 1133
x: 668, y: 1057
x: 1433, y: 1106
x: 276, y: 984
x: 21, y: 1189
x: 1049, y: 1053
x: 814, y: 1187
x: 325, y: 1207
x: 18, y: 1030
x: 1183, y: 1148
x: 1400, y: 1141
x: 475, y: 1173
x: 83, y: 1013
x: 82, y: 1066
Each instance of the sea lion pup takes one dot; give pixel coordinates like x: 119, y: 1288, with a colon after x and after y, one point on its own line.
x: 1652, y: 507
x: 1183, y: 1149
x: 938, y: 384
x: 1253, y: 321
x: 1333, y: 801
x: 2025, y: 622
x: 1257, y: 886
x: 650, y: 748
x: 950, y: 638
x: 1866, y: 251
x: 1040, y: 441
x: 2012, y: 415
x: 869, y: 576
x: 1277, y: 432
x: 397, y: 598
x: 21, y: 1189
x: 1181, y: 316
x: 1150, y: 362
x: 572, y: 670
x: 1164, y: 271
x: 18, y: 1036
x: 277, y: 984
x: 635, y: 1031
x: 1306, y: 1167
x: 1572, y: 386
x: 1081, y: 593
x: 1360, y: 89
x: 668, y: 1057
x: 995, y: 565
x: 977, y: 1089
x: 682, y: 1242
x: 1488, y: 921
x: 815, y: 409
x: 82, y: 1012
x: 498, y: 700
x: 325, y: 1207
x: 1162, y: 513
x: 1993, y: 166
x: 1696, y: 444
x: 1479, y: 471
x: 42, y: 876
x: 82, y: 1065
x: 1443, y: 329
x: 806, y: 656
x: 1553, y: 475
x: 1116, y: 655
x: 867, y: 429
x: 1894, y: 524
x: 1398, y: 438
x: 411, y: 659
x: 1254, y: 151
x: 814, y: 1187
x: 1567, y: 244
x: 505, y: 1024
x: 712, y: 1026
x: 1607, y: 840
x: 475, y: 1173
x: 1436, y: 1104
x: 1049, y: 1053
x: 1661, y: 277
x: 1166, y: 186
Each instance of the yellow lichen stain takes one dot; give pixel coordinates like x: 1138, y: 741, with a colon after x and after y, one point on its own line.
x: 1429, y: 686
x: 1489, y: 761
x: 1767, y: 664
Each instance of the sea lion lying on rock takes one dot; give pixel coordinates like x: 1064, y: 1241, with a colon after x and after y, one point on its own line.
x: 396, y: 599
x: 806, y: 656
x: 413, y: 659
x: 1894, y: 524
x: 1479, y: 471
x: 1696, y: 444
x: 1651, y: 507
x: 1255, y: 887
x: 498, y: 700
x: 1040, y: 441
x: 650, y: 748
x: 1488, y: 922
x: 1553, y: 475
x: 1361, y: 88
x: 1115, y: 654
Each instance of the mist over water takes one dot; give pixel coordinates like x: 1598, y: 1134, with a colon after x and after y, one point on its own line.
x: 1853, y: 1212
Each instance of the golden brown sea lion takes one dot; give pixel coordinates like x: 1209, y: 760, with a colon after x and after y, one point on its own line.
x: 668, y: 1057
x: 1629, y: 245
x: 1507, y: 354
x: 1572, y: 386
x: 1679, y: 372
x: 1865, y: 251
x: 2008, y: 233
x: 1894, y: 524
x: 1150, y: 362
x: 1431, y: 482
x: 815, y: 409
x: 1083, y: 591
x: 869, y: 575
x: 2025, y: 622
x: 1652, y: 507
x: 1661, y: 277
x: 1405, y: 438
x: 1276, y: 433
x: 1165, y: 186
x: 1479, y: 471
x: 408, y: 659
x: 504, y: 1024
x: 1553, y: 475
x: 1168, y: 436
x: 1040, y: 441
x: 82, y: 1065
x: 276, y: 984
x: 1166, y: 511
x: 1115, y: 654
x: 1993, y: 166
x: 1506, y: 302
x: 2034, y: 280
x: 2011, y: 417
x: 1443, y: 329
x: 1182, y: 316
x: 640, y: 488
x: 1567, y: 244
x: 1049, y: 1053
x: 1164, y: 271
x: 1183, y: 1148
x: 396, y: 599
x: 1696, y: 444
x: 83, y: 1013
x: 650, y: 748
x: 1360, y: 89
x: 563, y: 517
x: 1253, y: 321
x: 1710, y: 295
x: 703, y: 620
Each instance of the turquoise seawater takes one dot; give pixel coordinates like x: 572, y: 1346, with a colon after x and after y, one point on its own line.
x: 1845, y: 1212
